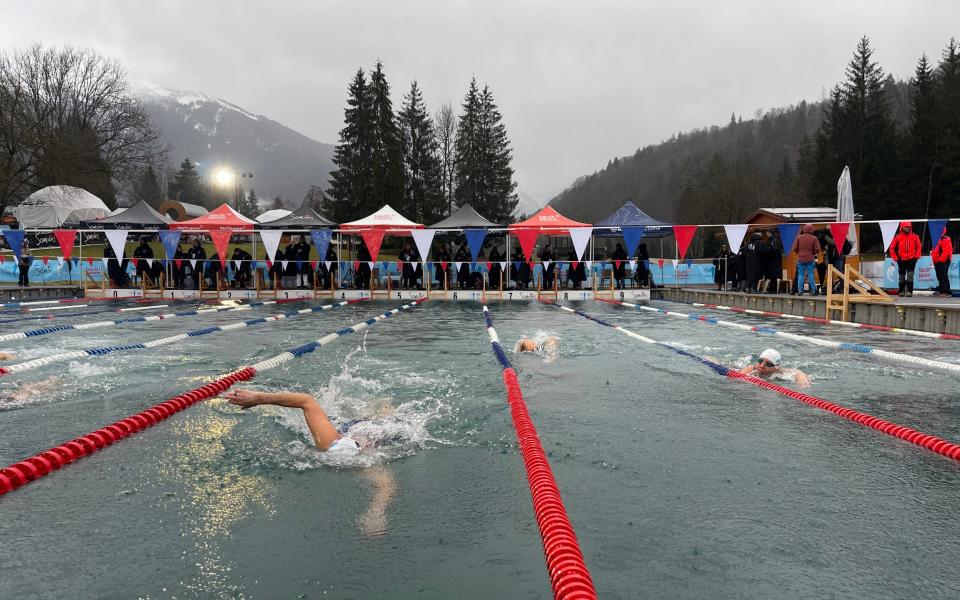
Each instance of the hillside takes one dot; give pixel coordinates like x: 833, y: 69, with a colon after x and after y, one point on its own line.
x: 215, y: 133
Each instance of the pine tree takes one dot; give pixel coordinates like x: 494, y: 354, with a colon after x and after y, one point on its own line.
x: 947, y: 169
x: 467, y: 159
x: 186, y: 185
x: 248, y: 205
x: 445, y: 127
x: 385, y: 152
x: 501, y: 198
x: 147, y: 188
x: 423, y: 200
x: 351, y: 183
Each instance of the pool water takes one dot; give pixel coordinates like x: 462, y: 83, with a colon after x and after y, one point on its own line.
x: 679, y: 483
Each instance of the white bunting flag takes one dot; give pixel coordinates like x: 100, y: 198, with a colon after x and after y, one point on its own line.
x: 456, y: 266
x: 118, y: 240
x: 326, y: 264
x: 503, y: 265
x: 423, y: 238
x: 59, y: 262
x: 580, y: 237
x: 633, y: 265
x: 370, y: 264
x: 236, y: 265
x: 284, y: 263
x: 674, y: 261
x: 735, y: 235
x: 193, y: 264
x: 149, y: 262
x: 589, y: 264
x: 546, y: 265
x: 271, y: 241
x: 106, y: 264
x: 888, y: 229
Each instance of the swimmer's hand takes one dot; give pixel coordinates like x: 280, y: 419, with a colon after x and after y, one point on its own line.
x: 243, y: 398
x: 801, y: 379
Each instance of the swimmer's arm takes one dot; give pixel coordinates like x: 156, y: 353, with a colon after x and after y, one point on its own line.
x: 322, y: 430
x: 749, y: 369
x: 799, y: 377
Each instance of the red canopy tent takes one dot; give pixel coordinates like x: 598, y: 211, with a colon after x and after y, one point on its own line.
x: 373, y: 227
x: 545, y: 222
x: 219, y: 223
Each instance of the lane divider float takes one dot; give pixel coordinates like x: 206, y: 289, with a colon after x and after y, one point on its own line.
x: 98, y: 324
x: 821, y: 321
x: 861, y: 348
x: 103, y: 351
x: 930, y: 442
x: 30, y: 469
x: 569, y: 576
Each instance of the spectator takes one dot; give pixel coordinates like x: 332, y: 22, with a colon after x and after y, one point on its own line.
x: 301, y: 264
x: 643, y: 273
x: 941, y: 255
x: 773, y: 261
x: 408, y: 277
x: 721, y: 261
x: 463, y: 273
x: 442, y: 271
x: 619, y: 257
x: 754, y: 261
x: 196, y: 255
x: 141, y: 253
x: 241, y: 278
x: 496, y: 273
x: 177, y: 270
x: 549, y: 267
x: 362, y: 278
x: 26, y: 259
x: 905, y: 250
x: 807, y: 246
x: 836, y: 256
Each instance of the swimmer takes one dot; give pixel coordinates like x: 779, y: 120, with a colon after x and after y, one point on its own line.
x: 549, y: 345
x: 25, y: 391
x: 7, y: 356
x: 768, y: 365
x: 325, y: 435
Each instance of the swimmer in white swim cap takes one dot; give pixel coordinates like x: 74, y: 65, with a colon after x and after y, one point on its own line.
x: 769, y: 364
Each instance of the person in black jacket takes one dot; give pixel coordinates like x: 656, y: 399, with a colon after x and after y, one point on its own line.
x: 116, y: 270
x: 363, y: 271
x: 741, y: 268
x: 177, y: 272
x: 494, y: 276
x: 141, y: 253
x: 198, y: 254
x: 301, y: 254
x: 325, y: 274
x: 722, y: 262
x: 523, y: 273
x: 408, y: 277
x: 442, y: 272
x: 575, y: 274
x: 241, y: 278
x: 643, y: 273
x: 774, y: 262
x: 548, y: 269
x: 463, y: 273
x: 753, y: 257
x: 620, y: 270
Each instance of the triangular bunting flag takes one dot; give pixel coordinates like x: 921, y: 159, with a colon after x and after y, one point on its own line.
x: 66, y: 239
x: 178, y: 262
x: 503, y: 265
x: 372, y: 238
x: 689, y: 263
x: 475, y: 239
x: 321, y: 241
x: 423, y: 238
x: 221, y: 241
x: 2, y: 259
x: 106, y: 263
x: 443, y: 265
x: 236, y: 265
x: 14, y: 239
x: 370, y: 264
x: 59, y: 262
x: 589, y: 264
x: 633, y: 265
x: 574, y: 264
x: 580, y: 236
x: 788, y: 234
x: 617, y: 263
x: 684, y: 234
x: 193, y: 263
x: 283, y: 264
x: 170, y: 239
x: 735, y: 235
x: 118, y: 241
x: 839, y: 232
x: 90, y: 261
x: 206, y: 265
x: 149, y: 262
x: 456, y: 266
x: 46, y: 260
x: 313, y: 265
x: 516, y: 264
x: 271, y: 241
x: 356, y: 266
x: 135, y: 262
x: 488, y: 266
x: 327, y: 264
x: 936, y: 230
x: 660, y: 263
x: 546, y: 265
x: 631, y: 237
x: 300, y: 264
x: 674, y: 262
x: 269, y: 264
x: 888, y: 229
x: 527, y: 239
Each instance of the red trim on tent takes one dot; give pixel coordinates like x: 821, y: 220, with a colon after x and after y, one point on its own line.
x: 222, y: 218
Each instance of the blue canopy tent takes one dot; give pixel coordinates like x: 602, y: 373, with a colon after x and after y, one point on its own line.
x: 629, y: 215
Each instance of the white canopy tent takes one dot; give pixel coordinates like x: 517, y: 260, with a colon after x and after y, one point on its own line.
x: 51, y: 206
x: 273, y: 215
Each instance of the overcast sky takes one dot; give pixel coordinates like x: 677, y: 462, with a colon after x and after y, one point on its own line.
x: 578, y: 82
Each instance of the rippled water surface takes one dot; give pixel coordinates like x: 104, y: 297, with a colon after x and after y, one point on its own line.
x: 679, y: 483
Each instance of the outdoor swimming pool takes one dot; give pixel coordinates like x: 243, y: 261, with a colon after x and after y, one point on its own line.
x: 679, y: 483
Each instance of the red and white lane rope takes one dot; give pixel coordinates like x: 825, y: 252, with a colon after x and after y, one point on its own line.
x: 569, y: 576
x: 930, y: 442
x: 819, y: 321
x: 27, y: 470
x: 863, y: 349
x: 104, y: 350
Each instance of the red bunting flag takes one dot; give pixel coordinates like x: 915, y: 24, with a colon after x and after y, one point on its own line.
x: 66, y: 238
x: 400, y: 266
x: 90, y: 260
x: 684, y: 235
x: 527, y: 239
x: 660, y: 263
x: 178, y: 262
x: 313, y: 265
x: 221, y: 241
x: 2, y: 258
x: 617, y: 263
x: 443, y: 265
x: 574, y: 264
x: 356, y: 266
x: 46, y: 260
x: 488, y: 266
x: 839, y: 232
x: 372, y: 238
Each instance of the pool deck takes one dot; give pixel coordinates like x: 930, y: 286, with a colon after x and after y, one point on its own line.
x: 926, y: 313
x: 39, y: 292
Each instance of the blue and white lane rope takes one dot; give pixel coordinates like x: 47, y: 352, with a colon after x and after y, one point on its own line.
x: 310, y: 347
x: 820, y: 321
x: 885, y: 354
x: 39, y: 362
x: 98, y: 324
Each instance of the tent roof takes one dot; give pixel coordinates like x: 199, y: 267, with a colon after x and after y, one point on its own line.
x: 220, y: 218
x: 548, y: 221
x: 387, y: 219
x: 302, y: 218
x: 629, y: 215
x: 465, y: 217
x: 139, y: 216
x: 272, y: 215
x: 50, y: 206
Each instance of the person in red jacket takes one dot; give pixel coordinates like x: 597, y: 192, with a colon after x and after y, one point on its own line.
x: 905, y: 250
x: 941, y: 254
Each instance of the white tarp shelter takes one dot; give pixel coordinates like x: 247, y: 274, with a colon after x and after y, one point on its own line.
x: 51, y: 206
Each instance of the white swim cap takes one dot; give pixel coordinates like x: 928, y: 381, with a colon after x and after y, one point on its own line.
x: 771, y: 355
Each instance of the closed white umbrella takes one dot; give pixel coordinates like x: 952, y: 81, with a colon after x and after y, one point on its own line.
x: 845, y: 212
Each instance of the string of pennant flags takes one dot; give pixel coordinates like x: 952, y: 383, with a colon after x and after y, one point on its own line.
x: 475, y: 237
